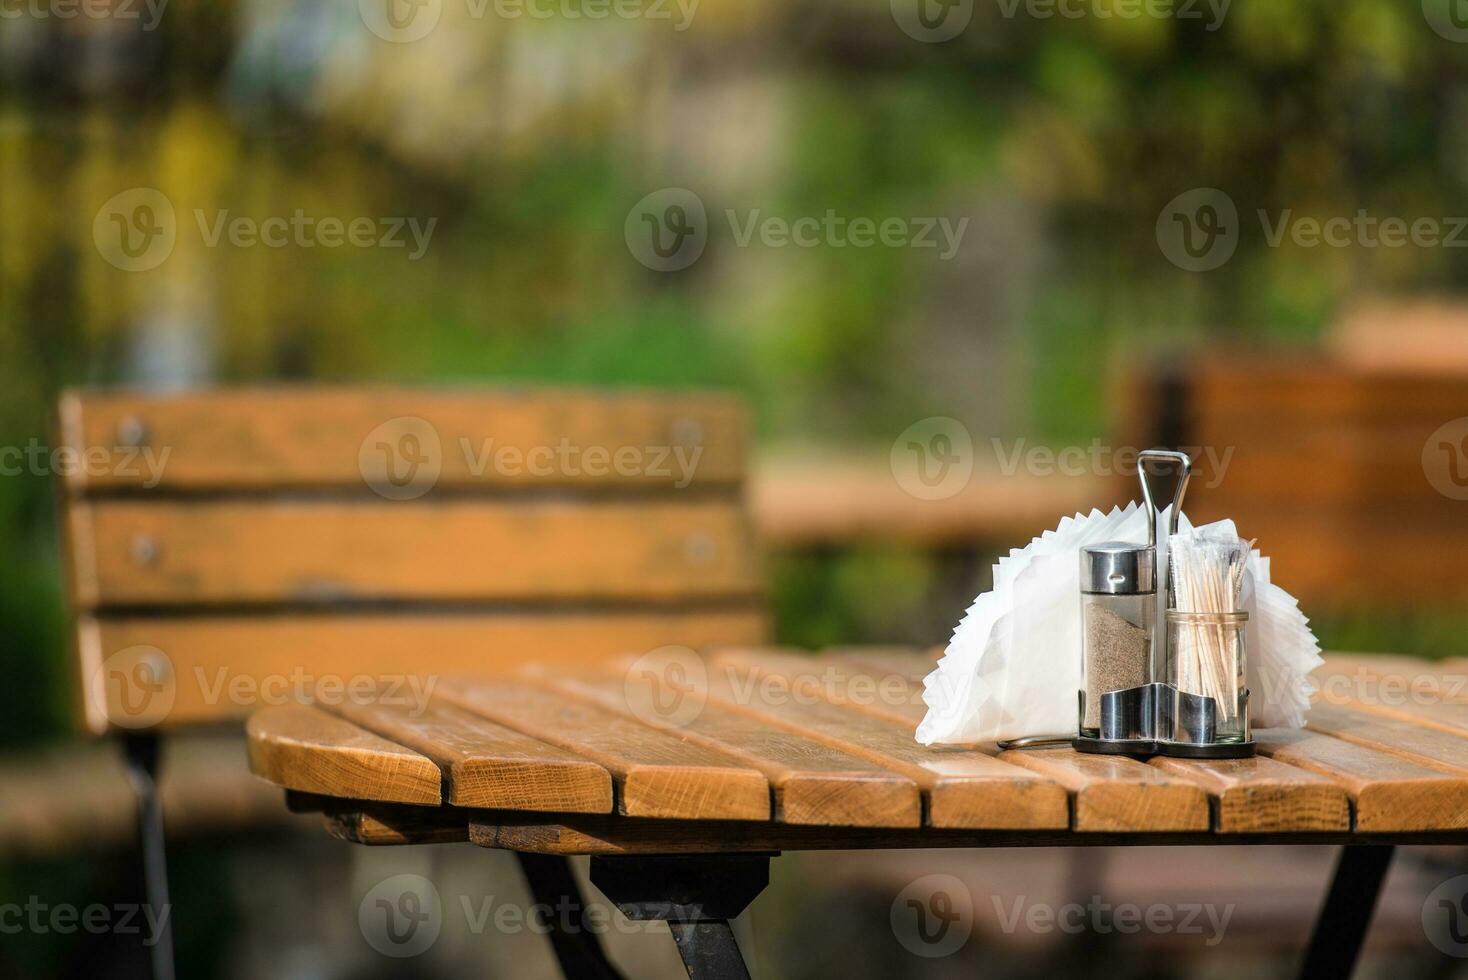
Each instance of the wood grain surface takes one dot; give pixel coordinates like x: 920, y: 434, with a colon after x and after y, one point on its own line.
x: 313, y: 551
x: 964, y: 788
x: 224, y: 666
x: 657, y: 774
x: 485, y: 764
x: 310, y: 437
x: 812, y: 782
x: 759, y: 749
x: 303, y: 748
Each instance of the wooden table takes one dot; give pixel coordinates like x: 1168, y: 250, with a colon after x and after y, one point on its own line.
x: 682, y: 774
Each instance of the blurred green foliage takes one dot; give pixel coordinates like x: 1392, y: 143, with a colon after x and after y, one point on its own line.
x: 1058, y: 139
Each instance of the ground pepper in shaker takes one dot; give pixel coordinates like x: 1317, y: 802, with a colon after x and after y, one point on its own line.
x: 1118, y: 623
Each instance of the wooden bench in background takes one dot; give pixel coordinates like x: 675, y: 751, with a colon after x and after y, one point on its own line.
x: 1329, y: 471
x: 371, y: 537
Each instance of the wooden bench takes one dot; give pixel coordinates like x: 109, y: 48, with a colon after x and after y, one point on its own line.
x: 231, y: 549
x: 1327, y: 463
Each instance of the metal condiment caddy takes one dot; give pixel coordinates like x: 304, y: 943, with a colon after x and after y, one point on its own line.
x: 1142, y: 685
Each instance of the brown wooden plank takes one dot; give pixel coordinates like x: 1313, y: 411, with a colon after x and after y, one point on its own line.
x: 1412, y: 740
x: 303, y: 748
x: 1262, y: 795
x: 1388, y: 792
x: 1113, y: 793
x: 800, y: 500
x: 1351, y: 555
x: 488, y: 765
x: 212, y: 551
x: 1248, y: 796
x: 657, y: 774
x: 889, y: 695
x: 1448, y: 716
x: 1434, y: 692
x: 226, y: 666
x: 812, y: 782
x: 963, y: 787
x: 257, y: 438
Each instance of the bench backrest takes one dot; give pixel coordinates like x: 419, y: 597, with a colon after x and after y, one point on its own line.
x: 232, y: 548
x: 1353, y: 480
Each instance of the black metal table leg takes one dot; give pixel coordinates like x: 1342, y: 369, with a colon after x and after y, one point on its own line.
x: 553, y: 886
x: 1341, y: 929
x: 696, y: 894
x: 709, y: 950
x: 140, y: 750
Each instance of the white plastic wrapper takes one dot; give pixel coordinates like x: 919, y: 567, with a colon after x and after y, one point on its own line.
x: 1013, y: 666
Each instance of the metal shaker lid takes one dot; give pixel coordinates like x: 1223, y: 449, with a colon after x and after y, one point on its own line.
x: 1118, y: 568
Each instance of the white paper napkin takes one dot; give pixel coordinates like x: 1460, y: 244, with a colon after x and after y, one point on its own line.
x: 1013, y: 666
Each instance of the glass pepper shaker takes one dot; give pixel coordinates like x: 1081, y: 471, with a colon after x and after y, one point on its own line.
x: 1118, y: 624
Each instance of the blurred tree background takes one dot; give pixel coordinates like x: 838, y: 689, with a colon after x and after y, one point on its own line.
x: 528, y: 140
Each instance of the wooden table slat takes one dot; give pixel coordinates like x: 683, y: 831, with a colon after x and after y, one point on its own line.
x: 905, y: 662
x: 656, y: 774
x: 1388, y: 792
x: 812, y: 782
x: 892, y: 695
x: 1107, y: 796
x: 1116, y: 793
x: 489, y: 765
x: 827, y: 741
x: 964, y: 788
x: 303, y: 748
x: 1262, y: 795
x: 1247, y: 796
x: 1428, y: 745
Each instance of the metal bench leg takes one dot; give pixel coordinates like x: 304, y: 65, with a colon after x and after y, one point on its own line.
x: 696, y: 894
x: 1341, y: 929
x: 553, y: 886
x: 140, y: 751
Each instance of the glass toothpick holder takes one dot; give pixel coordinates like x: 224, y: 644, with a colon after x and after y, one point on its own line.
x: 1205, y: 662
